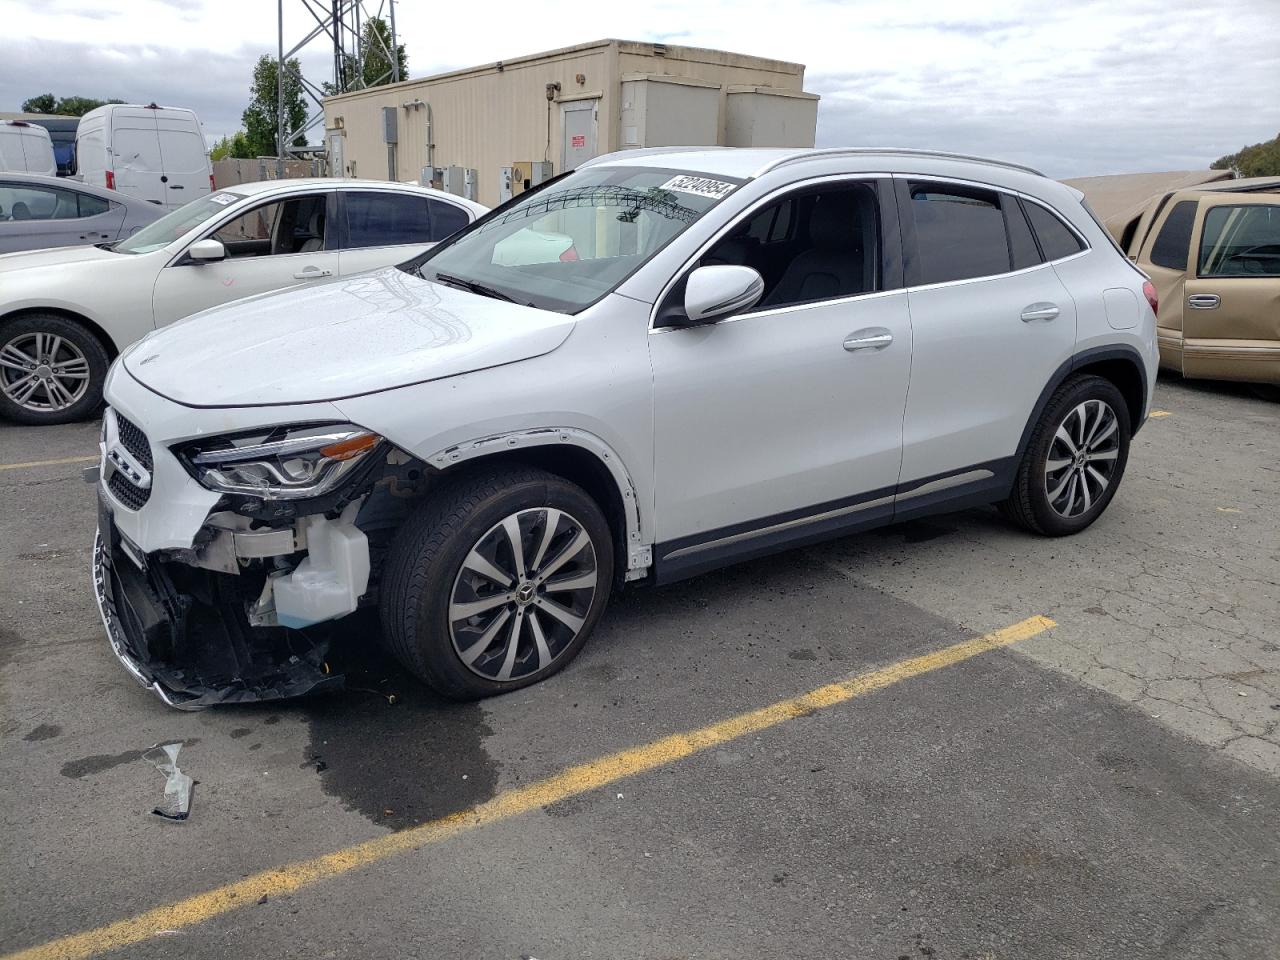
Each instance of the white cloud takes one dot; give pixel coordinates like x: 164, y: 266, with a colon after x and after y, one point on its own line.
x: 1074, y: 88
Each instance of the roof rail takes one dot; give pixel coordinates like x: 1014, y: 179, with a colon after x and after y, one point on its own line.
x: 646, y: 152
x: 896, y: 151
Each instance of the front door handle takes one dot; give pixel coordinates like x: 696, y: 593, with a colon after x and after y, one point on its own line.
x: 1040, y: 311
x: 1204, y: 301
x: 872, y: 338
x: 312, y: 273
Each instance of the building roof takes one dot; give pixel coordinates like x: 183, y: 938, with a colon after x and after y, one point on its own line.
x: 668, y: 51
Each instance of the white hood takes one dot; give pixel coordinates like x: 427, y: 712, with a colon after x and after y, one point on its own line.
x: 371, y: 332
x: 55, y: 257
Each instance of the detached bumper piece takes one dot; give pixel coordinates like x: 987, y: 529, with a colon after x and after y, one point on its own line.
x: 182, y: 633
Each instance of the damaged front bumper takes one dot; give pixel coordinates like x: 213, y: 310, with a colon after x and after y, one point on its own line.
x: 187, y: 639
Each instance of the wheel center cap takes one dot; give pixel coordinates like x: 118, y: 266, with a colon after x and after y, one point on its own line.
x: 525, y: 593
x: 44, y: 371
x: 1080, y: 459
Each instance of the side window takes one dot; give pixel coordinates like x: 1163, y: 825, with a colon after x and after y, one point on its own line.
x: 815, y: 245
x: 36, y: 203
x: 378, y: 219
x: 960, y: 233
x: 1056, y: 239
x: 1241, y: 241
x: 1022, y: 245
x: 1174, y: 239
x: 91, y: 206
x: 446, y: 219
x: 294, y: 225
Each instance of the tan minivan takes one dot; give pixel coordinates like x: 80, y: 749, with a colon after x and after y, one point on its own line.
x: 1213, y: 254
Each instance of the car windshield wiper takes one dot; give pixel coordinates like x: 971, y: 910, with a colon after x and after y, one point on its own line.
x: 473, y: 287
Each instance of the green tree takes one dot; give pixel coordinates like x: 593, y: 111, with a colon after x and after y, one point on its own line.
x: 259, y: 117
x: 63, y: 106
x: 236, y: 145
x: 375, y: 65
x: 1258, y: 160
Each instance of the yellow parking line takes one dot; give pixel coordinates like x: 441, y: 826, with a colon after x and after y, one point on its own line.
x: 1155, y: 414
x: 510, y: 803
x: 47, y: 463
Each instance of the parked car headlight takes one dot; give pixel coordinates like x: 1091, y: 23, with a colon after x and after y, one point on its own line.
x: 285, y: 463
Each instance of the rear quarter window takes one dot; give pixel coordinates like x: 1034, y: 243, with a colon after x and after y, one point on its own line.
x: 1055, y: 237
x: 1173, y: 242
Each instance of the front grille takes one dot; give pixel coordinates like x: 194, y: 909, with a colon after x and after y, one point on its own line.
x: 135, y: 441
x: 124, y: 491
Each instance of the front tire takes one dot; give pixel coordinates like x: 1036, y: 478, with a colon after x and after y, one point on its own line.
x: 51, y: 369
x: 1074, y: 460
x: 496, y: 581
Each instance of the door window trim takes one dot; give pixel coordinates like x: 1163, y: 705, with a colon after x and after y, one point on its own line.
x: 909, y: 227
x: 890, y: 248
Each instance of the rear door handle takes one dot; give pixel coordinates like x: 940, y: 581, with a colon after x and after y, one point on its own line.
x: 871, y: 338
x: 1040, y: 311
x: 1204, y: 301
x: 312, y: 273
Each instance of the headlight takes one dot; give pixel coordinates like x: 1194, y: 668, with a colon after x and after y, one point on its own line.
x: 286, y: 463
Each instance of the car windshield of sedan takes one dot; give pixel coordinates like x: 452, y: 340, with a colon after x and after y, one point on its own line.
x: 565, y: 246
x: 179, y: 223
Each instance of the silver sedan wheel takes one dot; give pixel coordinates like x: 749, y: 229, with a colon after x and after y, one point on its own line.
x: 523, y: 594
x: 1082, y: 458
x: 43, y: 372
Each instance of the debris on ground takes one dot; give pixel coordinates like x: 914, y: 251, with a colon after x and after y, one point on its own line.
x: 176, y: 804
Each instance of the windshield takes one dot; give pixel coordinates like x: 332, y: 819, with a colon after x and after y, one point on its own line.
x: 570, y: 243
x: 174, y: 225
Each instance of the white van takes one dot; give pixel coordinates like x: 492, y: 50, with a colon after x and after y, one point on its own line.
x: 26, y: 148
x: 150, y: 152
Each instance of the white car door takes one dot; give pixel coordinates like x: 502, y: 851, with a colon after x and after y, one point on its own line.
x: 277, y: 244
x: 785, y: 422
x: 991, y: 325
x: 386, y: 227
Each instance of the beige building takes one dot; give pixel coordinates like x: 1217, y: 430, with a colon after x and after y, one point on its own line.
x: 564, y: 107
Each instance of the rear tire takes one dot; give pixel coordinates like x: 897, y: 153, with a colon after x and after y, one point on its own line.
x: 458, y: 608
x: 51, y: 369
x: 1074, y: 460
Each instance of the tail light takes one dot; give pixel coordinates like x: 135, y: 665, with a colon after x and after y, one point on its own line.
x: 111, y: 180
x: 212, y: 188
x: 1149, y: 291
x: 570, y: 254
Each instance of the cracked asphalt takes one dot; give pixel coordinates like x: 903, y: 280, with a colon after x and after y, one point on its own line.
x: 1108, y: 788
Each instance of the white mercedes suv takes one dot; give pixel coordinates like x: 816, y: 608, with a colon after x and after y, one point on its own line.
x: 737, y: 351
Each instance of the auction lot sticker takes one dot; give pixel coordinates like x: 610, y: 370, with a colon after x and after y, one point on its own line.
x: 701, y: 186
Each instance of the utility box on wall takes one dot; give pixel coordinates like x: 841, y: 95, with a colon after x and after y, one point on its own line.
x: 667, y: 111
x: 768, y: 117
x: 460, y: 181
x: 527, y: 174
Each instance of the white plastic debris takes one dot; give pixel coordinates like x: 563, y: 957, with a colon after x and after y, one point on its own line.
x: 176, y: 804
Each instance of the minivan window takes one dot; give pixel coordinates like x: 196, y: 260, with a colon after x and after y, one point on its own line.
x: 960, y: 233
x: 1174, y: 239
x: 568, y: 243
x: 174, y: 225
x: 1056, y: 239
x: 828, y: 248
x: 1241, y: 241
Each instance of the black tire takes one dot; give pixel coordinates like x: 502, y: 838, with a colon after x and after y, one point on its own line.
x: 75, y: 337
x: 425, y: 563
x: 1029, y: 504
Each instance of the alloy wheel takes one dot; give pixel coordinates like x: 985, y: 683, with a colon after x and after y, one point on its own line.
x: 43, y: 372
x: 523, y: 594
x: 1082, y: 458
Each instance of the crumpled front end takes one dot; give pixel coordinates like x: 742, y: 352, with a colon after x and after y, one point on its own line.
x: 223, y: 567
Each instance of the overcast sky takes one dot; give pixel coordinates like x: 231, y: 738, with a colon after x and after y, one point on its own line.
x: 1073, y: 87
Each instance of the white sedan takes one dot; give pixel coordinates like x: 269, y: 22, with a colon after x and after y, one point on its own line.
x: 66, y: 313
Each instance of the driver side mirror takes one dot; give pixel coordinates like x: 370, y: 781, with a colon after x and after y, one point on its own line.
x: 207, y: 251
x: 718, y: 291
